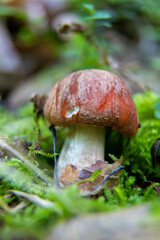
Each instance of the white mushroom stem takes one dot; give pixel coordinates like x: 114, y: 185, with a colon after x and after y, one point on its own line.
x: 82, y: 148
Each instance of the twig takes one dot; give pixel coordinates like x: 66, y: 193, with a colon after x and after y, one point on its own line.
x: 106, y: 178
x: 5, y: 206
x: 29, y: 164
x: 34, y: 199
x: 53, y: 130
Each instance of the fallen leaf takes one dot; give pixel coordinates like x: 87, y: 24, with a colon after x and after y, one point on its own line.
x: 84, y: 178
x: 98, y: 165
x: 69, y: 176
x: 84, y: 174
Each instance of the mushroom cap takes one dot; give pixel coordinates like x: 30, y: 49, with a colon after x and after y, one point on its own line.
x: 92, y: 97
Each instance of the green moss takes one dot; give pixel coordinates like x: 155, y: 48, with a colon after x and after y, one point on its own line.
x: 137, y: 153
x: 147, y: 105
x: 127, y: 193
x: 34, y: 220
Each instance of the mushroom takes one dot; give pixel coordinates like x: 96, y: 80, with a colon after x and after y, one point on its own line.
x: 88, y: 101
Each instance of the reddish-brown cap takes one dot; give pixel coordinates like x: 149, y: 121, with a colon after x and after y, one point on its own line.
x: 92, y: 97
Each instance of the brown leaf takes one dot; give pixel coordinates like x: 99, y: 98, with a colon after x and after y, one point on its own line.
x: 86, y: 186
x: 69, y: 176
x: 107, y: 168
x: 98, y: 165
x: 84, y: 177
x: 84, y: 174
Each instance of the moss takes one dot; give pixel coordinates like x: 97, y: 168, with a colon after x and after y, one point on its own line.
x: 147, y: 105
x: 137, y: 153
x: 34, y: 221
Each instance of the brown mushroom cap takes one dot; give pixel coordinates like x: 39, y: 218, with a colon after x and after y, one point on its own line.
x: 92, y: 97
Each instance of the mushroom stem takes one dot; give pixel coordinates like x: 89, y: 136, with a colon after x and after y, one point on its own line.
x: 82, y: 148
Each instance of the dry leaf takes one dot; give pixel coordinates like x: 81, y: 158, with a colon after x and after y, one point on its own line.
x: 69, y: 176
x: 84, y: 177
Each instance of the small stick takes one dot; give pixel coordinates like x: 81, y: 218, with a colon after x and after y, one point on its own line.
x: 55, y: 175
x: 106, y: 178
x: 28, y: 163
